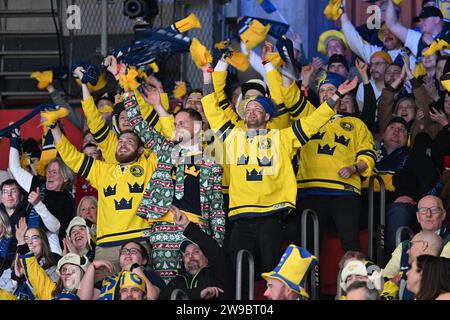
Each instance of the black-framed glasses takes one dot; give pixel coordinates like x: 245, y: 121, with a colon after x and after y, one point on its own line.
x: 126, y: 251
x: 432, y: 210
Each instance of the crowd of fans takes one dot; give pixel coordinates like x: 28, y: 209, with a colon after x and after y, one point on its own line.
x: 169, y: 187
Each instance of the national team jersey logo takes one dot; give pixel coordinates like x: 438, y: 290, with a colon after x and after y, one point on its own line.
x: 265, y: 143
x: 137, y: 171
x: 347, y: 126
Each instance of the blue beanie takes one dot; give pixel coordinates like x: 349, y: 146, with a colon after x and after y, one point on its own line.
x: 334, y: 79
x: 267, y: 104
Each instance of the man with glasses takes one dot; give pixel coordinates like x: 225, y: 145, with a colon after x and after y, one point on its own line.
x: 424, y: 242
x: 378, y: 64
x: 12, y: 202
x: 431, y: 216
x: 133, y: 258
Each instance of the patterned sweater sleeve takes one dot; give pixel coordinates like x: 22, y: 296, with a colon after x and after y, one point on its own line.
x: 149, y: 136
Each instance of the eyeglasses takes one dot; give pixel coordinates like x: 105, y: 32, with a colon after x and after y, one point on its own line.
x: 433, y: 210
x: 129, y: 251
x: 31, y: 239
x: 10, y: 191
x: 68, y: 270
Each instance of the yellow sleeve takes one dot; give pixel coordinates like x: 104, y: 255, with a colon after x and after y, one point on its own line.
x: 42, y: 284
x: 105, y: 137
x: 393, y: 266
x: 301, y: 130
x: 5, y: 295
x: 365, y: 150
x: 296, y: 103
x: 220, y: 124
x: 219, y: 81
x: 151, y: 116
x: 167, y: 127
x: 80, y: 163
x: 274, y: 82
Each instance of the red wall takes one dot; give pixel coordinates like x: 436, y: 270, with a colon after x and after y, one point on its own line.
x: 30, y: 129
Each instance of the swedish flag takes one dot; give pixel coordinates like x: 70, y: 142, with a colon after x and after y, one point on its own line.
x: 267, y: 6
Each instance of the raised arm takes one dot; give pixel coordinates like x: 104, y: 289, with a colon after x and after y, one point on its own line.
x: 399, y: 30
x: 22, y: 176
x: 149, y: 136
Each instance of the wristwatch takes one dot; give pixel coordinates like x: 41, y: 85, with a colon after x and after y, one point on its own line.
x: 134, y: 266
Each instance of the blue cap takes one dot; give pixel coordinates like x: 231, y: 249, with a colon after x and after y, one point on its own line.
x: 267, y: 104
x: 334, y: 79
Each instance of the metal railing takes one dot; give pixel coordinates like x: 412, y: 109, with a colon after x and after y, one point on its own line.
x: 399, y: 233
x: 382, y: 225
x: 314, y: 274
x: 178, y: 292
x: 251, y: 274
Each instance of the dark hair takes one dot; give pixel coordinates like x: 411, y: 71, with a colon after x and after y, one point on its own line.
x: 47, y: 254
x: 434, y: 280
x: 193, y: 114
x: 89, y: 145
x: 139, y: 141
x: 144, y: 252
x: 369, y: 293
x: 11, y: 182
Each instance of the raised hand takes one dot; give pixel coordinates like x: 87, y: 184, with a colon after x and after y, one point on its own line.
x: 179, y: 217
x: 152, y: 96
x: 439, y: 116
x: 78, y: 72
x: 34, y: 197
x: 362, y: 69
x: 348, y: 86
x: 266, y: 49
x: 21, y: 229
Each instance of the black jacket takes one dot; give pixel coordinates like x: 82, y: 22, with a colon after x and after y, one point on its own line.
x: 218, y: 272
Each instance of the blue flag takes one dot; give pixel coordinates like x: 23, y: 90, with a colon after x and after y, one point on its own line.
x: 267, y: 6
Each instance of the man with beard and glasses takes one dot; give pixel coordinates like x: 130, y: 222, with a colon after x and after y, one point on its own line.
x: 205, y: 271
x: 120, y: 189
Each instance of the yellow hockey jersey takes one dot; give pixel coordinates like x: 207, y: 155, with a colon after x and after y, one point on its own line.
x: 262, y: 178
x: 120, y: 191
x: 341, y: 142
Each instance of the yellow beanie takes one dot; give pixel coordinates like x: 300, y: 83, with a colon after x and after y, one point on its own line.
x: 384, y: 55
x: 200, y: 54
